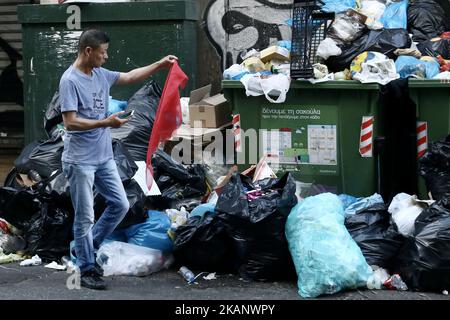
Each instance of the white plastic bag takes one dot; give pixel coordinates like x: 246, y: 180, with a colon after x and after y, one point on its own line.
x: 275, y: 85
x: 377, y: 68
x: 125, y: 259
x: 252, y: 84
x: 372, y: 8
x: 184, y: 103
x: 328, y: 48
x: 405, y: 209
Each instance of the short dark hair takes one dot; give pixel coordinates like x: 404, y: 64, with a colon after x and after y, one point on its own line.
x: 92, y: 38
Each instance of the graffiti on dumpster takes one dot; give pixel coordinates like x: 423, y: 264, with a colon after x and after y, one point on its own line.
x: 235, y: 27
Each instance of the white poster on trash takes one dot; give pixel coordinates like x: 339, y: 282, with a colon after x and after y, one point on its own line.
x: 139, y: 177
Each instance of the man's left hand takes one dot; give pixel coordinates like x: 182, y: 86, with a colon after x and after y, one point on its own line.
x: 167, y: 61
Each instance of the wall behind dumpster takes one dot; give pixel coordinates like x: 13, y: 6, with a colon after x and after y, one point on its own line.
x: 236, y: 26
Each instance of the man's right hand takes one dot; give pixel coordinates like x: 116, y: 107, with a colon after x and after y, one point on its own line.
x: 115, y: 122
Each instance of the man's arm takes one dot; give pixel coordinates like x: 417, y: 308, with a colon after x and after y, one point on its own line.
x: 140, y: 74
x: 73, y: 123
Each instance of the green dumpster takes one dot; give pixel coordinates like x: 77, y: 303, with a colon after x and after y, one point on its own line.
x: 140, y: 32
x: 317, y: 130
x: 432, y: 98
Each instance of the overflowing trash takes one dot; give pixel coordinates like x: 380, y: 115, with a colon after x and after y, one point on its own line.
x: 258, y: 223
x: 378, y: 39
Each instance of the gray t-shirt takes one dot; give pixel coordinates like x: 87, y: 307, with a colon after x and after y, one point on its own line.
x: 89, y: 97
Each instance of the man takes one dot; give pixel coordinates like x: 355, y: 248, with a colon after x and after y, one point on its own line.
x: 88, y: 157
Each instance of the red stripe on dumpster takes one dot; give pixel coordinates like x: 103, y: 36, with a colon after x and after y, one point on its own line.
x: 366, y: 137
x: 422, y: 139
x: 367, y: 124
x: 421, y: 126
x: 366, y: 149
x: 237, y: 132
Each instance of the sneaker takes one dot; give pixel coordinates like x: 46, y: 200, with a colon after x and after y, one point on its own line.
x: 90, y: 279
x: 98, y: 269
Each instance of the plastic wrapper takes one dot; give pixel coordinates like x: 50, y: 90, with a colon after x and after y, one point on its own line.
x: 124, y: 259
x: 346, y: 28
x: 373, y: 67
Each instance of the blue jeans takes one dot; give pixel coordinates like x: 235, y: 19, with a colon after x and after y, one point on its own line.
x: 106, y: 180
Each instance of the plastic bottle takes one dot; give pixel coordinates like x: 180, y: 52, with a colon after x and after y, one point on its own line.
x: 187, y: 274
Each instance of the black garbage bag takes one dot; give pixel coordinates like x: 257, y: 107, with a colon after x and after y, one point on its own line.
x: 125, y: 164
x: 376, y: 235
x: 49, y: 232
x: 426, y: 19
x: 435, y: 168
x: 257, y: 226
x: 203, y: 244
x: 18, y: 206
x: 136, y: 198
x: 385, y: 41
x: 135, y: 134
x: 44, y: 157
x: 435, y: 47
x: 424, y: 260
x: 53, y: 115
x: 179, y: 185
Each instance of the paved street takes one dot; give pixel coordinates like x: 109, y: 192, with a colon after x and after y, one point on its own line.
x: 24, y: 283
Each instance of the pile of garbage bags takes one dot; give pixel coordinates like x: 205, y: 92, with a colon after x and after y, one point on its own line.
x: 36, y: 198
x: 245, y: 231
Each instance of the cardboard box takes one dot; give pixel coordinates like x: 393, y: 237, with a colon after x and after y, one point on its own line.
x: 211, y: 112
x: 275, y: 53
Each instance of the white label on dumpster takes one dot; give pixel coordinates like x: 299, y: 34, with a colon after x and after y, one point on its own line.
x: 322, y: 144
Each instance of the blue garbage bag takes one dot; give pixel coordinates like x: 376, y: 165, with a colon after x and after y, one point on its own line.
x: 348, y: 200
x: 363, y: 203
x: 338, y: 5
x: 326, y: 258
x: 200, y: 210
x: 395, y: 15
x: 116, y: 106
x: 152, y: 233
x: 408, y: 66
